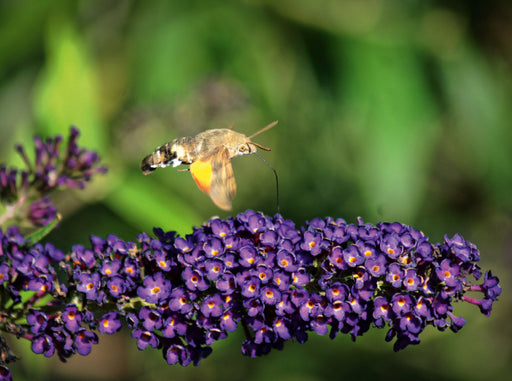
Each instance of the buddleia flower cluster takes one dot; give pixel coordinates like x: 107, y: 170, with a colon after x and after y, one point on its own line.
x: 278, y: 282
x: 24, y: 193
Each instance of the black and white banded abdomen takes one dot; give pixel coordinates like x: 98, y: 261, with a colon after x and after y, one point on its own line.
x: 174, y: 153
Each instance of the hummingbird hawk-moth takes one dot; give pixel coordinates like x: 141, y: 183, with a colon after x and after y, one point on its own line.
x: 209, y: 155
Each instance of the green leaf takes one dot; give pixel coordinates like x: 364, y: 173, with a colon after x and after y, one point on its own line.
x: 67, y: 92
x: 392, y: 116
x: 39, y: 234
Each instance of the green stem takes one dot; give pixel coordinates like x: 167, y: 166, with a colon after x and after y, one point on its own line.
x: 12, y: 209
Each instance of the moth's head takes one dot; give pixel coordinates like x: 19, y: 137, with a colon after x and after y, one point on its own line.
x: 247, y: 146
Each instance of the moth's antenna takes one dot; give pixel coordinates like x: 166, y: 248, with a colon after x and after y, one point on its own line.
x: 275, y: 174
x: 260, y: 146
x: 263, y: 129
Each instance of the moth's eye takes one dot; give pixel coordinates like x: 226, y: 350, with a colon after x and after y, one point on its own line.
x: 242, y: 148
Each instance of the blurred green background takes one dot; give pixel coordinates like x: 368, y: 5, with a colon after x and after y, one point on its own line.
x: 388, y: 110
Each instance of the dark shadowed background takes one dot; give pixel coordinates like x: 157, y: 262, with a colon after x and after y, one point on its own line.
x: 388, y: 110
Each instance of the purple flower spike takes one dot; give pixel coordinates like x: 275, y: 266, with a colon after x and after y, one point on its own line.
x: 182, y: 294
x: 50, y: 169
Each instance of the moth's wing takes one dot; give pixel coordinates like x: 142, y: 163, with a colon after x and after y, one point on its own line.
x: 214, y: 176
x: 223, y: 188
